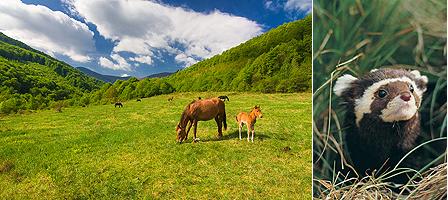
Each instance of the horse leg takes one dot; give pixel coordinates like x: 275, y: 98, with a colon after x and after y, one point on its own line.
x: 195, y: 127
x: 253, y: 133
x: 248, y: 131
x: 240, y: 126
x: 219, y: 123
x: 188, y: 130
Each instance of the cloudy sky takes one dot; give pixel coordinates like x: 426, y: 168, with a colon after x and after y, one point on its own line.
x: 138, y: 37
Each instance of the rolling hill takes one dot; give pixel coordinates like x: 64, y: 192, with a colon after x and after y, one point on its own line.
x: 276, y: 61
x: 30, y: 79
x: 112, y: 79
x: 105, y: 78
x: 159, y: 75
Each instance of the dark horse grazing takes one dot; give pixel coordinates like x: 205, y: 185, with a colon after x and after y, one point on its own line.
x: 201, y: 110
x: 224, y: 98
x: 119, y: 104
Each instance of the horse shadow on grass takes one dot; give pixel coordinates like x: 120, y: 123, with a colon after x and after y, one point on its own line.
x: 235, y: 135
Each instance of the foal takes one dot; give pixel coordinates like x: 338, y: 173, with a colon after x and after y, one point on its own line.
x: 249, y: 120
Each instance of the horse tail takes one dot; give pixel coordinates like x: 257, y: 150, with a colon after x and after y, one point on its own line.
x: 224, y: 121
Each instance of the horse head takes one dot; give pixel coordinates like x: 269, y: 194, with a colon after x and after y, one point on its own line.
x: 257, y: 111
x: 181, y: 133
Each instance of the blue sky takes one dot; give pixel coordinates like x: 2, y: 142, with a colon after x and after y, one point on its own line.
x: 140, y: 38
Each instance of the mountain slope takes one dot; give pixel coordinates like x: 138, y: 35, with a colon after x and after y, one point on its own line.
x: 159, y: 75
x: 277, y: 61
x: 105, y: 78
x: 30, y: 79
x: 112, y: 79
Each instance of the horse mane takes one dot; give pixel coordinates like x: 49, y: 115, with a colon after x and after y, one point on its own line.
x: 184, y: 115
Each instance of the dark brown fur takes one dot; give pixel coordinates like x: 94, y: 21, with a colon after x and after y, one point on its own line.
x: 375, y: 143
x: 224, y: 98
x: 119, y: 104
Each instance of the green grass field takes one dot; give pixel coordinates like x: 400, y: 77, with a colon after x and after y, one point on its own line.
x: 131, y: 152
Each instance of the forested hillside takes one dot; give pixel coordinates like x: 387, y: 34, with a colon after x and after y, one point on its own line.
x: 30, y: 79
x: 277, y: 61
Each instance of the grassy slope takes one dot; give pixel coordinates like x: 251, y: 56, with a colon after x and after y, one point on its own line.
x: 131, y: 152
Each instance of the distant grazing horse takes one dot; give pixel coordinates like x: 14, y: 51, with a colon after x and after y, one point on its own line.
x: 201, y: 110
x: 224, y: 98
x: 170, y: 99
x: 249, y: 120
x: 119, y: 104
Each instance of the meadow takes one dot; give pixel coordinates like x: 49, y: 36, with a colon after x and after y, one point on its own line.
x: 130, y: 152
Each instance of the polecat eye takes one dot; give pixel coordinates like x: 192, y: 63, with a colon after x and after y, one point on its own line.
x: 411, y: 88
x: 382, y: 93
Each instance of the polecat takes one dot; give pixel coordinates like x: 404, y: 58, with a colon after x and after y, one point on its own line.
x: 382, y: 118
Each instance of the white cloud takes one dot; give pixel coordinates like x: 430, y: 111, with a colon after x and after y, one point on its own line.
x: 183, y: 58
x: 268, y: 4
x: 118, y: 63
x: 50, y: 31
x: 142, y: 59
x: 106, y: 63
x: 125, y: 75
x: 298, y: 5
x: 273, y: 5
x: 143, y: 27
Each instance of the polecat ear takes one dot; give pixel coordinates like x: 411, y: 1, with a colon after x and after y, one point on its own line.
x: 418, y: 76
x: 422, y: 80
x: 343, y: 83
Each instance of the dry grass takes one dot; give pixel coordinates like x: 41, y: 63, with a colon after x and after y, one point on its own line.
x: 433, y: 184
x: 352, y: 188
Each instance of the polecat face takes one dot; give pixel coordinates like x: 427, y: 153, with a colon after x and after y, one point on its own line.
x: 391, y: 94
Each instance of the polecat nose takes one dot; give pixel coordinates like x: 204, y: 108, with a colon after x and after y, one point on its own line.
x: 406, y: 96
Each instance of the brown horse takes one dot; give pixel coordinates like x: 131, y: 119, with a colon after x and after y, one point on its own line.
x: 249, y: 120
x: 201, y: 110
